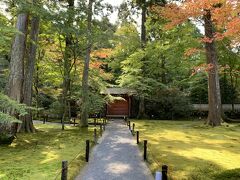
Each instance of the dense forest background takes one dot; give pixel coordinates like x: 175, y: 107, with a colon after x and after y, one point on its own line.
x: 167, y: 67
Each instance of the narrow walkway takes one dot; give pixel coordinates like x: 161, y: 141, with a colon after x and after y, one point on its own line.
x: 116, y: 157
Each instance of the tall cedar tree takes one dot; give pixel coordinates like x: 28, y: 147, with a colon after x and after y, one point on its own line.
x: 85, y: 85
x: 27, y: 124
x: 143, y: 4
x: 16, y: 76
x: 67, y: 64
x: 20, y: 81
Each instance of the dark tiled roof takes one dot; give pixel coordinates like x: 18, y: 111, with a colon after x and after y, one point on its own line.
x: 119, y: 91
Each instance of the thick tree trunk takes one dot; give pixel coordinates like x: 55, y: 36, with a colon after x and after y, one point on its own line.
x: 66, y: 83
x: 67, y: 65
x: 36, y: 85
x: 85, y: 86
x: 27, y: 124
x: 232, y: 86
x: 143, y: 25
x: 14, y: 86
x: 141, y: 109
x: 214, y: 97
x: 15, y: 82
x: 41, y: 54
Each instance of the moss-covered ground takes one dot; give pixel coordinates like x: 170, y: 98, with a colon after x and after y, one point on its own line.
x: 191, y: 149
x: 38, y: 156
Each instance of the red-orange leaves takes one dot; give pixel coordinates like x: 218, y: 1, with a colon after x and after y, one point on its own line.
x: 219, y: 36
x: 203, y: 68
x: 102, y: 53
x: 96, y: 64
x: 191, y: 51
x: 207, y: 39
x: 233, y: 28
x: 174, y: 13
x: 225, y: 15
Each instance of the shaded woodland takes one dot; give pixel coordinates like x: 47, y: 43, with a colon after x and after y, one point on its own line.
x: 56, y: 57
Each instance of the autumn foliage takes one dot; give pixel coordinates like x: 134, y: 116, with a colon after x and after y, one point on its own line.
x: 225, y: 15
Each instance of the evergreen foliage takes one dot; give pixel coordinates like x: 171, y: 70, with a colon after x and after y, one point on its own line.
x: 7, y: 131
x: 8, y: 105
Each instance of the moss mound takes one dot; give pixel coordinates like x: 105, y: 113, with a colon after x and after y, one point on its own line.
x: 231, y: 174
x: 7, y: 133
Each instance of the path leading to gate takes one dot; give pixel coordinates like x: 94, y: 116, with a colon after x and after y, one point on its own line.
x: 116, y: 157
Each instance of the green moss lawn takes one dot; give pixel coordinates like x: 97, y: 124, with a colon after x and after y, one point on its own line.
x: 192, y: 150
x: 38, y: 156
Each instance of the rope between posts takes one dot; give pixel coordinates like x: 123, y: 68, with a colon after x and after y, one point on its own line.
x: 79, y: 153
x: 59, y: 171
x: 68, y: 165
x: 153, y: 156
x: 155, y: 159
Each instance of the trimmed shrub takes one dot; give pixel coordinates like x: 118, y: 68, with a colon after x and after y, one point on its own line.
x: 171, y: 103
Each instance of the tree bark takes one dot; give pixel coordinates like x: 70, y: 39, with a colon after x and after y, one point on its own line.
x: 15, y: 81
x: 27, y: 124
x: 143, y: 25
x: 232, y: 88
x: 141, y: 109
x: 214, y: 96
x: 41, y: 54
x: 67, y: 65
x: 16, y: 76
x: 85, y: 86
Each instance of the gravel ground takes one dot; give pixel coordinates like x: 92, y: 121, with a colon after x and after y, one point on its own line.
x: 116, y: 157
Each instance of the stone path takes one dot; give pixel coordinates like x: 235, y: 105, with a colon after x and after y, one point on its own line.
x: 116, y: 157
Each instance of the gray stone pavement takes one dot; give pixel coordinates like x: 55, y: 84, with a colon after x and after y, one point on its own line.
x: 116, y: 157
